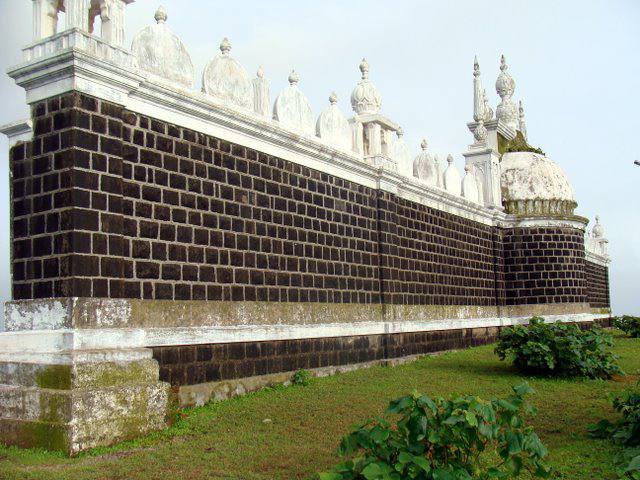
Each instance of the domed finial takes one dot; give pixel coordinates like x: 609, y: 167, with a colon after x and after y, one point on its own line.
x: 449, y: 159
x: 598, y: 230
x: 476, y: 67
x: 225, y: 46
x: 424, y: 144
x: 503, y: 63
x: 260, y: 72
x: 333, y: 98
x: 400, y: 132
x: 364, y: 68
x: 294, y: 78
x: 161, y: 15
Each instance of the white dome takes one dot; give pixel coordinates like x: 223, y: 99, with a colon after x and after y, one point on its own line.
x: 225, y: 78
x: 535, y: 183
x: 160, y: 52
x: 365, y: 97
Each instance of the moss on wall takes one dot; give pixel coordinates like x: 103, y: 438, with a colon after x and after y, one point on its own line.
x: 518, y: 144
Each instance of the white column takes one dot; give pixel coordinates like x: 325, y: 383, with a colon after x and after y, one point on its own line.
x: 77, y: 14
x: 45, y: 19
x: 112, y: 16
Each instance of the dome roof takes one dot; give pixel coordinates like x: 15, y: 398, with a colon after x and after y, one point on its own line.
x: 225, y: 78
x: 365, y: 97
x: 534, y: 184
x: 160, y: 52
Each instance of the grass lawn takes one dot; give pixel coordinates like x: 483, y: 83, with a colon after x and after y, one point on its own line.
x: 231, y: 440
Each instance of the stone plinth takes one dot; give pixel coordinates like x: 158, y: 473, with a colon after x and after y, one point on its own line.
x: 58, y: 394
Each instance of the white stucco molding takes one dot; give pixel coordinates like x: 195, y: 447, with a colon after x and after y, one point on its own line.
x: 20, y: 131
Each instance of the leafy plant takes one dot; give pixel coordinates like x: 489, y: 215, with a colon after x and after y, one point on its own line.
x: 301, y: 377
x: 560, y: 349
x: 628, y: 324
x: 438, y: 439
x: 624, y: 432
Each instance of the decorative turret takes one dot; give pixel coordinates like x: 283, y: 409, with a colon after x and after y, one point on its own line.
x: 507, y: 111
x: 333, y: 126
x: 261, y: 97
x: 227, y: 80
x: 161, y: 53
x: 365, y: 97
x: 292, y: 109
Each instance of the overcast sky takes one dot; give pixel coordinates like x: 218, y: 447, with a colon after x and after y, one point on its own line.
x: 576, y: 65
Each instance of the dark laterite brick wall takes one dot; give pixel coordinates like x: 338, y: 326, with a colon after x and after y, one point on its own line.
x: 544, y: 265
x: 109, y: 203
x: 597, y: 285
x: 193, y: 364
x: 432, y: 257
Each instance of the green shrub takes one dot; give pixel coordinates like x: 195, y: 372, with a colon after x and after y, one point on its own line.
x: 438, y: 439
x: 628, y: 324
x: 560, y: 349
x: 624, y: 432
x: 301, y: 377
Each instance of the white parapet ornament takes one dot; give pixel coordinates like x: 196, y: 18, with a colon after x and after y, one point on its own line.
x: 470, y: 185
x: 452, y: 181
x: 333, y: 126
x: 402, y: 154
x: 227, y: 80
x: 292, y: 109
x: 261, y: 94
x: 424, y: 166
x: 160, y: 52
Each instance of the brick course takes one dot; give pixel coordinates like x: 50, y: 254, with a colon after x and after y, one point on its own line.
x: 544, y: 265
x: 110, y: 203
x: 597, y: 285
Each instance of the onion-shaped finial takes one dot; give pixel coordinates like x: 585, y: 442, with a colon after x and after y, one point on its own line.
x: 161, y: 15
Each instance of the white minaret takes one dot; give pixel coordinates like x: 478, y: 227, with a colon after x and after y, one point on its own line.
x: 483, y: 154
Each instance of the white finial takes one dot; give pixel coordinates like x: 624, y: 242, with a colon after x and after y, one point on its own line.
x: 424, y: 144
x: 161, y: 15
x: 476, y: 67
x: 507, y: 111
x: 260, y: 72
x: 364, y: 68
x: 400, y: 132
x: 521, y: 121
x: 480, y: 132
x: 333, y: 98
x: 294, y: 78
x: 598, y: 230
x: 469, y: 185
x: 225, y: 46
x: 503, y: 63
x: 451, y: 178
